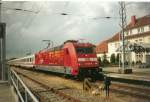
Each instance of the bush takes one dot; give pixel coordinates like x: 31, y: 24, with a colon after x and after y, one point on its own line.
x: 105, y: 62
x: 113, y: 59
x: 126, y: 63
x: 133, y: 63
x: 118, y: 58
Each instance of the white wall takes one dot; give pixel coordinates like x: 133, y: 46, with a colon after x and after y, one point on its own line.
x: 135, y: 30
x: 113, y: 46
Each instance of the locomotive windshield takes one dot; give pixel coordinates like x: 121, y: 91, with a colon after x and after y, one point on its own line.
x: 84, y: 50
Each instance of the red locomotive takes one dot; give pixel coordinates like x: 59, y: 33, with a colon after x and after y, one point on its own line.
x: 71, y: 58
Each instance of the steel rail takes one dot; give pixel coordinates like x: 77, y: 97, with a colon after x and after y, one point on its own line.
x: 117, y: 88
x: 141, y: 89
x: 49, y: 88
x: 27, y: 91
x: 130, y: 90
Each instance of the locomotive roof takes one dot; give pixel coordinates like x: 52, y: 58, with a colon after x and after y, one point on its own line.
x: 53, y: 48
x: 75, y: 42
x: 29, y: 56
x: 78, y: 43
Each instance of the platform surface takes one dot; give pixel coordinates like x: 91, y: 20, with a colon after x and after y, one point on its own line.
x: 6, y: 94
x: 138, y: 73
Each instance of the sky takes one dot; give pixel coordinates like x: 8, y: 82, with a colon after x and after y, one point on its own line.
x: 85, y: 20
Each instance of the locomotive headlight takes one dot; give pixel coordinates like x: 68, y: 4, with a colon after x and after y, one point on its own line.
x: 96, y: 63
x: 93, y: 59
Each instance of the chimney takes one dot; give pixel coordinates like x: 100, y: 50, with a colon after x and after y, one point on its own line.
x: 133, y: 20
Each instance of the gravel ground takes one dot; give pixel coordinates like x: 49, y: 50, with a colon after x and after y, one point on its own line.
x: 74, y: 89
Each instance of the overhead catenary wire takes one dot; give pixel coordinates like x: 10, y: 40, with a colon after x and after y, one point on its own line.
x: 25, y: 22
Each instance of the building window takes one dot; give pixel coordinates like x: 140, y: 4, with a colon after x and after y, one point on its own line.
x: 140, y: 40
x: 142, y: 29
x: 136, y: 40
x: 116, y: 45
x: 139, y: 30
x: 130, y: 31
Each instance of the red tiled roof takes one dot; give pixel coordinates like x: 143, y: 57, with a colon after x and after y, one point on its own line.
x: 102, y: 47
x: 139, y: 22
x: 115, y: 37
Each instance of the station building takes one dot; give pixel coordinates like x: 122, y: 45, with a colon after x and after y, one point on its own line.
x: 136, y: 32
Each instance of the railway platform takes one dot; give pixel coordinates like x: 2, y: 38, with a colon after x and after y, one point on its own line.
x: 6, y: 93
x: 130, y: 76
x: 136, y: 71
x: 140, y: 76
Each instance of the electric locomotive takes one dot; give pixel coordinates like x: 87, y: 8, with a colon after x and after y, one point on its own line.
x: 71, y: 58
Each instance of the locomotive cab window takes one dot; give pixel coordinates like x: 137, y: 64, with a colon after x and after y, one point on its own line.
x: 84, y: 50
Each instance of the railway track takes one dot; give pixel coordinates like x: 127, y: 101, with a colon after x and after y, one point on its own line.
x: 139, y: 93
x: 46, y: 93
x: 132, y: 90
x: 43, y: 90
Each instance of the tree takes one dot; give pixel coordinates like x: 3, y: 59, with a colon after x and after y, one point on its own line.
x: 118, y: 58
x: 113, y: 58
x: 105, y: 61
x: 99, y: 60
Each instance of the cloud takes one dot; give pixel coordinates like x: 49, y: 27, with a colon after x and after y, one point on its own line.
x: 26, y: 30
x: 138, y: 8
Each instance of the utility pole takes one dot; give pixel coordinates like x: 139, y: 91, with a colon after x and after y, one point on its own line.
x: 122, y: 13
x: 0, y: 48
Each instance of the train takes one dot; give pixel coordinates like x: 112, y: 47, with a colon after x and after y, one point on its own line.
x: 73, y: 58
